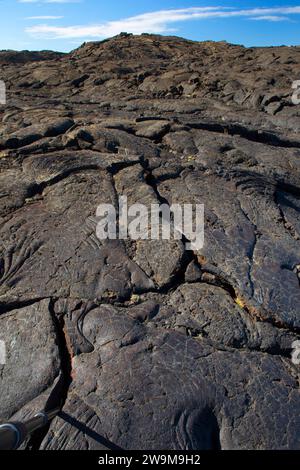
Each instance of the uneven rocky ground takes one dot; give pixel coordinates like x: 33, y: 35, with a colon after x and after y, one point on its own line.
x: 150, y: 346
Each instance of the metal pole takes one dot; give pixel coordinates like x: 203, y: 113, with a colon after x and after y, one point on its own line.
x: 12, y: 435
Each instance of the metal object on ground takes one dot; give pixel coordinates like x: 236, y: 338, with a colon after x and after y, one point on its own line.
x: 13, y: 434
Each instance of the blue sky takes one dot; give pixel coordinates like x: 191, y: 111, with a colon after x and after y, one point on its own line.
x: 65, y: 24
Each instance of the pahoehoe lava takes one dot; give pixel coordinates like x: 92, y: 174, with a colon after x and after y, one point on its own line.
x: 158, y: 348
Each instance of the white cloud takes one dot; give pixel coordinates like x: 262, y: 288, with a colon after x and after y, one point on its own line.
x: 156, y: 22
x: 270, y: 18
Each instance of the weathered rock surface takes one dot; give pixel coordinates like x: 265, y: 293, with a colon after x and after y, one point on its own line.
x: 32, y: 357
x: 157, y: 347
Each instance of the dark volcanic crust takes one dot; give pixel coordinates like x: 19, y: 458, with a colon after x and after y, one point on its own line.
x: 156, y: 347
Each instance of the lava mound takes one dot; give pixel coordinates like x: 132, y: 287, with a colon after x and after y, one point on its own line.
x: 149, y: 345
